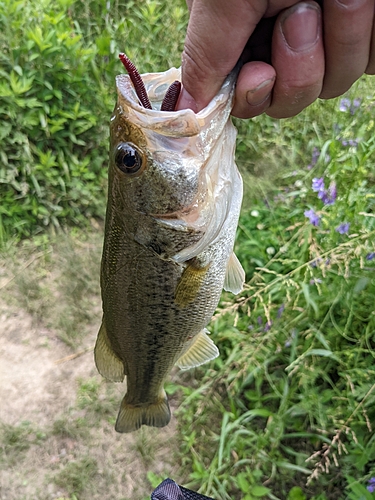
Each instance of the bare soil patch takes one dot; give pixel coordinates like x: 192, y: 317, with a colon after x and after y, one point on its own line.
x: 57, y: 418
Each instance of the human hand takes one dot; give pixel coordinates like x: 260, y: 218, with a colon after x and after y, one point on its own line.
x: 288, y: 62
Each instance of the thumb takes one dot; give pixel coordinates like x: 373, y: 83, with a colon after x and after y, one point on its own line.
x: 216, y: 36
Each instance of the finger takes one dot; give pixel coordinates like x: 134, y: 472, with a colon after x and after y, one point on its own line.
x: 347, y: 41
x: 217, y: 33
x: 298, y: 58
x: 253, y: 90
x: 371, y: 64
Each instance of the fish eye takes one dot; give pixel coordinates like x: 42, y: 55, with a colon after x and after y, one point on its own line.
x: 128, y: 159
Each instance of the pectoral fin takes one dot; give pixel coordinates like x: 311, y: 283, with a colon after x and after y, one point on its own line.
x: 201, y: 351
x: 235, y: 275
x: 109, y: 365
x: 190, y: 283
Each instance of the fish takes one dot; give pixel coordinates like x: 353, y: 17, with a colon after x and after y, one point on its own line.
x: 174, y: 199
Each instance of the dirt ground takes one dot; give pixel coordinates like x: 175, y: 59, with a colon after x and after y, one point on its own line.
x: 57, y: 436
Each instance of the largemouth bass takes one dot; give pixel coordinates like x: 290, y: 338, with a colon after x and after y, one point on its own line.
x: 174, y: 199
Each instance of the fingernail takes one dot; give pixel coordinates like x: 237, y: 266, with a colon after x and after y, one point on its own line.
x: 257, y: 96
x: 300, y: 27
x: 186, y: 101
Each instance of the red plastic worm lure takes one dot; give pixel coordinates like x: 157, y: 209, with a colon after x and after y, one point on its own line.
x: 171, y: 97
x: 136, y: 79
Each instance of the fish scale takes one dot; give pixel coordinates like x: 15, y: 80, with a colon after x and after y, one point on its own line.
x: 174, y: 198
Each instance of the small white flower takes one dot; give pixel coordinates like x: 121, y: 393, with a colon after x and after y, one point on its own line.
x: 298, y: 184
x: 270, y: 250
x: 254, y: 213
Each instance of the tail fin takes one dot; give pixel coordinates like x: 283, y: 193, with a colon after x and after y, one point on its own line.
x: 131, y: 417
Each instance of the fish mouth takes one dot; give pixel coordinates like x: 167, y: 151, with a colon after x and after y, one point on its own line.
x: 188, y: 215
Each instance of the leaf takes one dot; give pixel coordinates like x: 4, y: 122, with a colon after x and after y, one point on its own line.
x: 322, y: 352
x: 296, y: 493
x: 242, y: 482
x: 20, y: 85
x: 259, y: 491
x: 258, y: 412
x: 5, y: 129
x: 309, y: 300
x: 361, y: 285
x: 18, y: 69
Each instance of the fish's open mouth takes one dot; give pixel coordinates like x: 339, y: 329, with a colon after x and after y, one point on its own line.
x: 171, y: 96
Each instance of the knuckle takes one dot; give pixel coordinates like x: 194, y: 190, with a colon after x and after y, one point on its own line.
x: 194, y: 65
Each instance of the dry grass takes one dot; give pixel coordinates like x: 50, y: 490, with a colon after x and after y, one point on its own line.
x: 57, y: 438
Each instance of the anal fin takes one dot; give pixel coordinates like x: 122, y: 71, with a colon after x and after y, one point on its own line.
x: 132, y: 417
x: 235, y: 275
x: 109, y: 365
x: 199, y: 352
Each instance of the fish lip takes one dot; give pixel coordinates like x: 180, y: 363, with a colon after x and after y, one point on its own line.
x: 171, y: 216
x: 177, y: 124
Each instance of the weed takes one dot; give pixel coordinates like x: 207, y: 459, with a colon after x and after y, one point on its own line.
x: 287, y: 410
x: 288, y: 405
x: 68, y: 427
x: 97, y: 398
x: 76, y: 476
x: 69, y: 265
x: 16, y: 439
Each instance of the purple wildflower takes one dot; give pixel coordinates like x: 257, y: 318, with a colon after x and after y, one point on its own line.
x: 260, y: 321
x: 348, y: 105
x: 356, y: 103
x: 314, y: 158
x: 318, y: 187
x: 318, y: 184
x: 280, y: 311
x: 343, y: 228
x: 267, y: 326
x: 315, y: 281
x: 312, y: 216
x: 329, y: 198
x: 333, y: 191
x: 371, y: 485
x: 344, y: 105
x: 370, y: 256
x: 315, y: 154
x: 350, y: 142
x: 288, y: 343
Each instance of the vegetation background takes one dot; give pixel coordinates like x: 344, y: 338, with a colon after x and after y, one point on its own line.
x: 287, y: 411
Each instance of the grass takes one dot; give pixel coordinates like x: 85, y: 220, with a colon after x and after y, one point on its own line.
x: 17, y: 439
x: 287, y: 410
x: 76, y: 476
x: 63, y: 293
